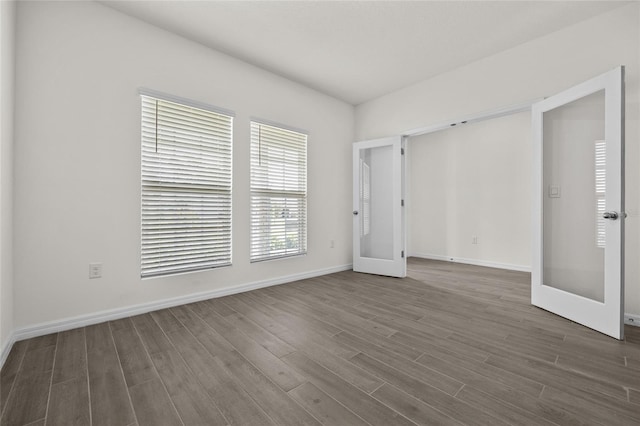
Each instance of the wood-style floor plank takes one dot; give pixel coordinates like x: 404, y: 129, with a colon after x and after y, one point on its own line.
x: 446, y: 403
x: 335, y: 363
x: 326, y: 409
x: 481, y: 375
x: 500, y: 409
x: 29, y: 396
x: 135, y: 362
x: 292, y: 313
x: 253, y: 311
x: 619, y: 373
x: 10, y: 370
x: 444, y: 348
x: 267, y: 340
x: 602, y: 414
x: 451, y: 344
x: 303, y: 331
x: 269, y: 364
x: 372, y: 342
x: 28, y: 400
x: 110, y: 402
x: 553, y: 375
x: 630, y: 362
x: 166, y: 320
x: 152, y: 335
x: 71, y: 356
x: 422, y: 372
x: 69, y: 403
x: 337, y: 317
x: 191, y: 400
x: 42, y: 341
x: 366, y: 407
x: 412, y: 408
x: 280, y: 407
x: 234, y: 403
x: 152, y: 404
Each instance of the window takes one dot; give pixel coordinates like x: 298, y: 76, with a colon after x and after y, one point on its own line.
x: 600, y: 174
x: 278, y: 192
x: 365, y: 198
x: 186, y: 186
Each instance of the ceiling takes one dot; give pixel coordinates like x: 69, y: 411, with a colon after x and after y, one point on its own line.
x: 359, y: 50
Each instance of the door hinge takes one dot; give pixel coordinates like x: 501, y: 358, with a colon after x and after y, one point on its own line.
x: 401, y: 151
x: 402, y: 203
x: 402, y: 254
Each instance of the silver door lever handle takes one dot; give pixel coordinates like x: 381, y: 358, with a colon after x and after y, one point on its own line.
x: 610, y: 215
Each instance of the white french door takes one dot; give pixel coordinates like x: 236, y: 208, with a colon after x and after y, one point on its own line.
x: 378, y: 207
x: 578, y: 238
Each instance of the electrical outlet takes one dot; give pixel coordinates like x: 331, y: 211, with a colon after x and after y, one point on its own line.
x: 474, y: 240
x: 95, y: 270
x: 332, y: 244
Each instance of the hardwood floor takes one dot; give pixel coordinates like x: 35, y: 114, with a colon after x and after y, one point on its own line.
x: 451, y: 344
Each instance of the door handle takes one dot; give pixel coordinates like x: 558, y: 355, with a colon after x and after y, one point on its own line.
x: 610, y: 215
x: 355, y: 212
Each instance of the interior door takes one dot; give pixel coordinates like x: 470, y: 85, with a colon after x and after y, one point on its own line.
x: 578, y: 239
x: 378, y: 207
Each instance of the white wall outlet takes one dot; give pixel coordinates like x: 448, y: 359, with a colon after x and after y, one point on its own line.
x: 474, y: 240
x: 332, y: 244
x: 95, y: 270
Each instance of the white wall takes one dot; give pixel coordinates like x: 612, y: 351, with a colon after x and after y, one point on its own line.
x: 7, y: 65
x: 467, y: 182
x: 532, y: 70
x: 77, y: 159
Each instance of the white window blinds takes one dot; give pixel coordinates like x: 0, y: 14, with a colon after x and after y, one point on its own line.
x: 601, y: 186
x: 186, y: 188
x: 365, y: 199
x: 278, y: 192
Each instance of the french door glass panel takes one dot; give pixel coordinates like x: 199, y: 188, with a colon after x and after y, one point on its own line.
x: 376, y: 191
x: 574, y: 177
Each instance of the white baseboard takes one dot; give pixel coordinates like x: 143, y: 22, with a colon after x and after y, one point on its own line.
x: 631, y: 319
x: 476, y: 262
x: 113, y: 314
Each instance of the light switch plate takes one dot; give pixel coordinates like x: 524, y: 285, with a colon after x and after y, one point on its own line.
x: 554, y: 191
